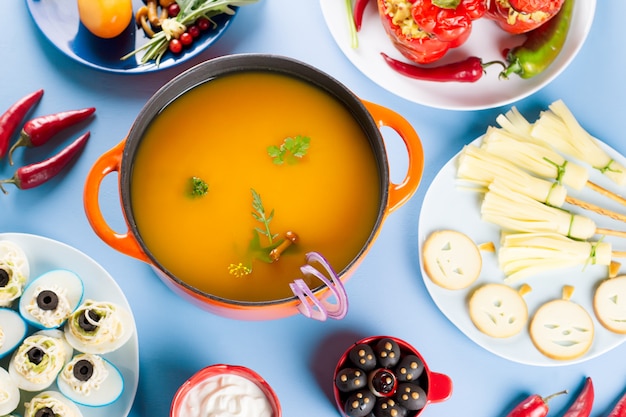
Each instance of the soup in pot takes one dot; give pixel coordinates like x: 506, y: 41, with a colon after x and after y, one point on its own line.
x: 238, y: 178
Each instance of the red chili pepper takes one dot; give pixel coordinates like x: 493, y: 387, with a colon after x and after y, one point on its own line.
x: 469, y: 70
x: 528, y: 15
x: 359, y: 10
x: 33, y: 175
x: 13, y: 116
x: 583, y: 403
x: 620, y: 408
x: 533, y: 406
x: 39, y: 130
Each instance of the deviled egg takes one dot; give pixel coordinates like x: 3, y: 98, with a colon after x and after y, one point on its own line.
x: 9, y: 393
x: 99, y: 327
x: 90, y: 380
x: 13, y: 329
x: 38, y: 360
x: 49, y: 300
x: 51, y: 403
x: 14, y: 272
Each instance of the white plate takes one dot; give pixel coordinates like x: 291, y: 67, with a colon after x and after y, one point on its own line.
x: 45, y: 254
x: 486, y: 41
x: 447, y: 205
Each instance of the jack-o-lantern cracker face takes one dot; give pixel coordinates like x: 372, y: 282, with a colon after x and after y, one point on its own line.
x: 562, y: 329
x: 498, y: 310
x: 451, y: 259
x: 609, y: 303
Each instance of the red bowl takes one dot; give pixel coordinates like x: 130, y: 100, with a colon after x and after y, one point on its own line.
x: 436, y: 386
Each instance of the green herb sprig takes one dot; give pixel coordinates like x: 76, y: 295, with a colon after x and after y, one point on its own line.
x: 190, y: 11
x: 290, y: 150
x: 259, y: 215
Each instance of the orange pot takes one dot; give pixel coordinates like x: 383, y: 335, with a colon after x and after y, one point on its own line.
x: 371, y: 117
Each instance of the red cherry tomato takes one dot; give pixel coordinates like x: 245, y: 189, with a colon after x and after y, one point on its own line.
x: 186, y: 39
x: 175, y: 46
x: 446, y: 24
x: 194, y: 31
x: 203, y: 24
x: 173, y: 10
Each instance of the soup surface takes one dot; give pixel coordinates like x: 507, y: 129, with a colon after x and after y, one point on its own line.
x: 220, y: 133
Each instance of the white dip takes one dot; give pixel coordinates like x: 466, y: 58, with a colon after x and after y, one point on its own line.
x: 226, y: 396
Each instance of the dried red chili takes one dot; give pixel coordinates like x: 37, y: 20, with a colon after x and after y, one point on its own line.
x: 468, y: 70
x: 533, y: 406
x: 13, y: 116
x: 581, y: 407
x: 620, y: 408
x: 39, y: 130
x: 33, y: 175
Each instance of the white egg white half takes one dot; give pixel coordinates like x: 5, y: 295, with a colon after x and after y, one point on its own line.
x: 13, y: 330
x: 55, y: 280
x: 30, y: 384
x: 9, y: 393
x: 11, y: 250
x: 109, y: 390
x: 50, y: 399
x: 99, y: 347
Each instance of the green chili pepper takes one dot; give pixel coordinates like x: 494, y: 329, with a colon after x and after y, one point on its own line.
x: 542, y: 45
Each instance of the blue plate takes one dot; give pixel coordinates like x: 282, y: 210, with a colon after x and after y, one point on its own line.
x: 58, y: 20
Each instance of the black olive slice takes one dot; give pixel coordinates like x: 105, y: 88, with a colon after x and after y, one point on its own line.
x: 35, y: 355
x: 4, y: 277
x: 47, y: 300
x: 45, y: 412
x: 87, y: 323
x: 83, y: 370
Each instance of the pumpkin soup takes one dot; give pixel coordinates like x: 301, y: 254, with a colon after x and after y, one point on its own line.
x: 241, y: 176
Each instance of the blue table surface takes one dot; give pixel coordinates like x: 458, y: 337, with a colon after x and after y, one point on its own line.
x: 296, y: 355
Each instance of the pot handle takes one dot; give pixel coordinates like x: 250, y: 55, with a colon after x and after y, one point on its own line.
x: 400, y: 193
x: 123, y: 242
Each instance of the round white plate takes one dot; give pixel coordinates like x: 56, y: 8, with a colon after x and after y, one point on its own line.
x: 487, y: 41
x: 448, y: 205
x: 46, y: 254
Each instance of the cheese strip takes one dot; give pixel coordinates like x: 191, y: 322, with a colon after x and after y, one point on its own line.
x: 516, y: 212
x: 480, y: 167
x: 559, y: 128
x: 522, y: 255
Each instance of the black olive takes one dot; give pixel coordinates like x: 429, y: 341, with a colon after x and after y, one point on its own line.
x: 387, y: 353
x: 4, y: 277
x: 45, y: 412
x: 360, y: 404
x: 411, y: 396
x: 86, y: 323
x: 350, y: 379
x: 83, y: 370
x: 35, y: 355
x: 362, y: 355
x: 388, y: 407
x: 409, y: 369
x: 47, y: 300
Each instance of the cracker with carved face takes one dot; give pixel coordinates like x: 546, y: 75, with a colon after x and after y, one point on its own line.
x: 562, y: 329
x: 609, y: 304
x: 498, y: 310
x: 451, y: 259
